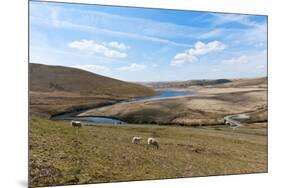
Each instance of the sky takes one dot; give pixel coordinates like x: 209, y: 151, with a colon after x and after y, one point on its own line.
x: 143, y: 45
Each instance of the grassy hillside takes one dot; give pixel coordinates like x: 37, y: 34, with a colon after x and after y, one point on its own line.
x: 61, y: 154
x: 48, y: 78
x: 56, y: 89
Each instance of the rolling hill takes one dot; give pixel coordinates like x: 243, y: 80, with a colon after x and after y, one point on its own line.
x: 57, y: 89
x: 46, y: 78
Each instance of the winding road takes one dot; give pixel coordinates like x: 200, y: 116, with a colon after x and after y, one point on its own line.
x: 234, y: 123
x: 232, y: 120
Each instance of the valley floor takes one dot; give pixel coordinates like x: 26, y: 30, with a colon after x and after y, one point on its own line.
x: 207, y: 106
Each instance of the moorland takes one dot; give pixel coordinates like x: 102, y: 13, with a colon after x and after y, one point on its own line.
x: 193, y: 139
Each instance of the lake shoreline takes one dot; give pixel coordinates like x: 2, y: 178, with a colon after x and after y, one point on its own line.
x: 162, y: 95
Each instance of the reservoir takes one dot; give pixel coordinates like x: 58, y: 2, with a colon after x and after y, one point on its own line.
x: 162, y: 95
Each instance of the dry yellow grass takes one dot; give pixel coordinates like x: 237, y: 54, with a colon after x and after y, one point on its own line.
x: 61, y: 154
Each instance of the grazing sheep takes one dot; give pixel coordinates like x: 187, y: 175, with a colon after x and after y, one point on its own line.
x: 226, y: 122
x: 153, y: 142
x: 76, y: 124
x: 136, y: 140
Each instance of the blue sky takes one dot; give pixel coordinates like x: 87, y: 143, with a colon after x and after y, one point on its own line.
x: 136, y: 44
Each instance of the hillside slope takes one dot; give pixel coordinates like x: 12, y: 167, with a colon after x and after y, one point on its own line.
x: 46, y: 78
x: 57, y: 89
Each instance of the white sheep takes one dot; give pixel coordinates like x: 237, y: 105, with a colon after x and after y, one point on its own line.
x: 76, y: 124
x: 153, y: 142
x: 136, y: 139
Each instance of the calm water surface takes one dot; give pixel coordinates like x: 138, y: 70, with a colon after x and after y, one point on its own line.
x: 162, y: 95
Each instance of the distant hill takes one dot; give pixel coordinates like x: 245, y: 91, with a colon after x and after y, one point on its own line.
x: 46, y: 78
x: 186, y: 84
x: 243, y: 82
x: 247, y: 82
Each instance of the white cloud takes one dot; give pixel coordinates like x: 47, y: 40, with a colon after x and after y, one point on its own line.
x: 118, y: 46
x: 133, y: 67
x: 238, y: 60
x: 182, y: 58
x: 199, y: 49
x: 98, y: 69
x: 95, y: 48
